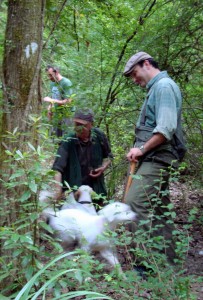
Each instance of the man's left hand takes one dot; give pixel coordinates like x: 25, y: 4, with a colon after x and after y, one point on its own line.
x: 134, y: 154
x: 97, y: 172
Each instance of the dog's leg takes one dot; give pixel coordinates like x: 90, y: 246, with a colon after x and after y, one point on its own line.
x: 113, y: 260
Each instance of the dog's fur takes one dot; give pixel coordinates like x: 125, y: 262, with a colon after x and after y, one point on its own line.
x: 74, y: 226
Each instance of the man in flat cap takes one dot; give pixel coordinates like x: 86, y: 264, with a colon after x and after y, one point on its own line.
x: 159, y: 145
x: 83, y: 156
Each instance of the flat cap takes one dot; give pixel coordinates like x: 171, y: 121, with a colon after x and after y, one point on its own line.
x: 84, y: 116
x: 136, y: 58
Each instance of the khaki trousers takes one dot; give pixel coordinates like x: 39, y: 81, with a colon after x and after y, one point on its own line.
x: 148, y: 196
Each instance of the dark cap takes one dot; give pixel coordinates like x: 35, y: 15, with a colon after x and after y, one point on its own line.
x: 135, y: 59
x: 84, y: 116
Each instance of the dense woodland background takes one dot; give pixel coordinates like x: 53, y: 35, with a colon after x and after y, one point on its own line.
x: 90, y: 41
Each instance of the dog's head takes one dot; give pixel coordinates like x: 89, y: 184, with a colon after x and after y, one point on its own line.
x: 117, y: 212
x: 83, y: 194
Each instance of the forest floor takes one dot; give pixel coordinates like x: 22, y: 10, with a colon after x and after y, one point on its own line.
x: 186, y: 198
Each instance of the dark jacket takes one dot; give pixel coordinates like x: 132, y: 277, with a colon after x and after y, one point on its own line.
x: 67, y: 160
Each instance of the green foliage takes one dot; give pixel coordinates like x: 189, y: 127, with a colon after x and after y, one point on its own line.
x: 27, y: 293
x: 28, y: 174
x: 46, y: 272
x: 3, y: 10
x: 91, y: 42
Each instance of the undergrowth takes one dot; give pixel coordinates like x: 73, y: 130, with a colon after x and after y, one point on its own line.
x: 34, y: 266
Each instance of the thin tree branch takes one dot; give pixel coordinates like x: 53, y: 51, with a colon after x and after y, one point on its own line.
x: 141, y: 22
x: 55, y: 23
x: 75, y: 29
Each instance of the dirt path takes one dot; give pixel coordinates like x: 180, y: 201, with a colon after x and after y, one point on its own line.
x: 187, y: 201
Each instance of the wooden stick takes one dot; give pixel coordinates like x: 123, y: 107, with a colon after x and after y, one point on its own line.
x: 128, y: 184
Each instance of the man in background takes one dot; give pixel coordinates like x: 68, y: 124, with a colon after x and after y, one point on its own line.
x: 159, y: 146
x: 59, y: 110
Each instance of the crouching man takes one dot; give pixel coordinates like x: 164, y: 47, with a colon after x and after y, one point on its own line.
x: 83, y: 156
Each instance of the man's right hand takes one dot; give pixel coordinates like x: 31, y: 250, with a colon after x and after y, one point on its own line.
x: 58, y: 187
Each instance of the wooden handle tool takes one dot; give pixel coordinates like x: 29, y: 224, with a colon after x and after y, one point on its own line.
x: 129, y: 179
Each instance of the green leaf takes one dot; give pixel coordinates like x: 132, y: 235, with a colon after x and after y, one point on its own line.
x: 92, y: 295
x: 33, y: 186
x: 34, y: 216
x: 9, y: 153
x: 31, y: 146
x: 78, y: 276
x: 18, y: 173
x: 17, y: 252
x: 15, y: 130
x: 23, y: 294
x: 173, y: 215
x: 15, y: 237
x: 32, y: 248
x: 29, y: 272
x: 26, y: 239
x: 46, y: 227
x: 26, y: 195
x: 19, y: 153
x: 39, y: 150
x: 170, y: 206
x: 4, y: 298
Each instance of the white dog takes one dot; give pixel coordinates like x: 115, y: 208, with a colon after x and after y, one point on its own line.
x: 88, y: 231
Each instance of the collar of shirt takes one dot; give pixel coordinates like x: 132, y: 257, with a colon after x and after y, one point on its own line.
x: 162, y: 74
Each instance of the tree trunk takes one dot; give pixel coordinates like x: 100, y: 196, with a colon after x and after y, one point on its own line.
x: 21, y: 85
x: 21, y: 64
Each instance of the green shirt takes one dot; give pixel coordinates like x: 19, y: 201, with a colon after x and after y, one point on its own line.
x: 62, y: 89
x: 163, y: 107
x: 161, y: 113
